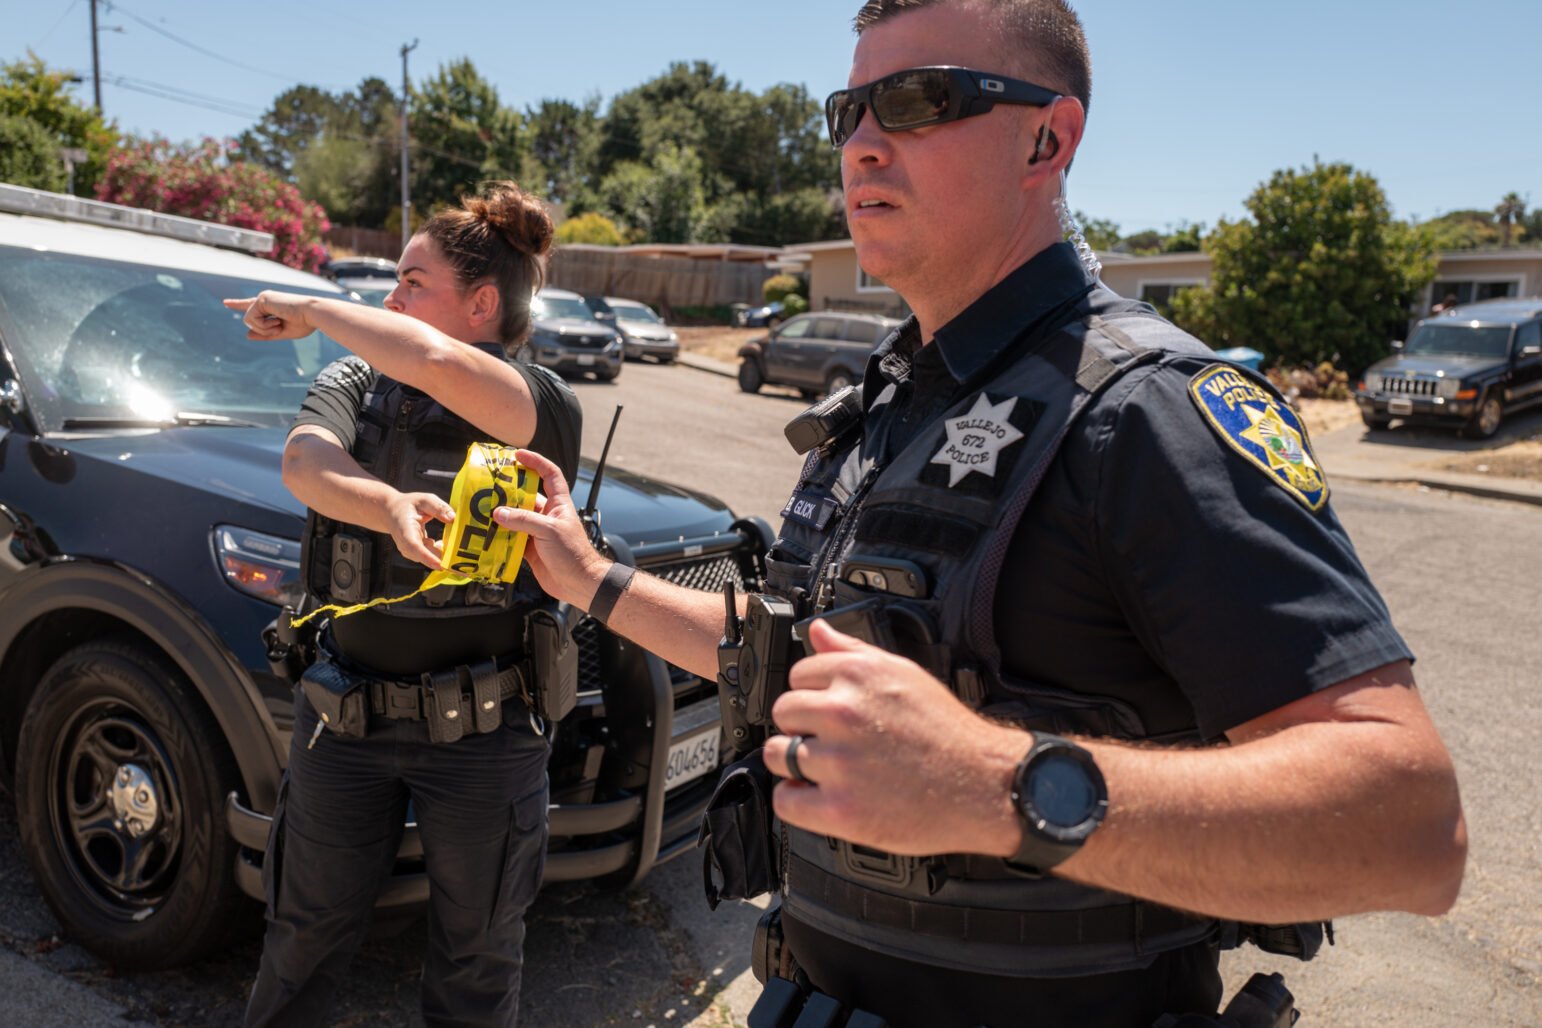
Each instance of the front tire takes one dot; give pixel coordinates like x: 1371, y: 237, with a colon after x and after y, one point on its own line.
x: 1485, y: 422
x: 839, y: 379
x: 121, y: 777
x: 750, y: 376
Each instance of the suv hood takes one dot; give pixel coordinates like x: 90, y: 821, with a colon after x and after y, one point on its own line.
x: 243, y: 464
x: 645, y: 330
x: 1428, y: 364
x: 573, y: 327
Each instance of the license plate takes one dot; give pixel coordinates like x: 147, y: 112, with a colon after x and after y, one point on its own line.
x: 691, y: 758
x: 1400, y: 406
x: 585, y: 359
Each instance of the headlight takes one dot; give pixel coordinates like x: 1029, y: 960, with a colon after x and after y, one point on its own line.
x: 1373, y: 382
x: 674, y: 337
x: 260, y: 565
x: 1447, y: 387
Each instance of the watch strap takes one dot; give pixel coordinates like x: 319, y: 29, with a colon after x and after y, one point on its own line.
x: 615, y: 582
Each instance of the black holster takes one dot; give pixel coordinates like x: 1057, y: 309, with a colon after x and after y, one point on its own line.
x: 290, y: 650
x: 340, y: 698
x: 741, y: 857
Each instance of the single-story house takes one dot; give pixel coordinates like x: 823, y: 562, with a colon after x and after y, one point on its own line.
x: 836, y: 282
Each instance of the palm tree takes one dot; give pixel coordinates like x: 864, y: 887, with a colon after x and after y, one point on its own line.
x: 1511, y: 209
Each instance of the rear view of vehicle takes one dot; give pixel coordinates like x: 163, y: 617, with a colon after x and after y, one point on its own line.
x: 1466, y: 368
x: 567, y: 337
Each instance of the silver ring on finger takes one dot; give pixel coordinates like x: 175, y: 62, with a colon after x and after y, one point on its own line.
x: 793, y: 745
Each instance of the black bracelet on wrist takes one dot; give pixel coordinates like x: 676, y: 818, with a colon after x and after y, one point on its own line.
x: 615, y: 582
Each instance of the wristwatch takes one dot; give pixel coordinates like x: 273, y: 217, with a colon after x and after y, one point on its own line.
x: 1060, y: 798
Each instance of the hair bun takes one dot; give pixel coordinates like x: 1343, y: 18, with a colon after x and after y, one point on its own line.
x: 519, y: 217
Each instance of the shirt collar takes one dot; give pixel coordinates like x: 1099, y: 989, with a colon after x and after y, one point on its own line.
x: 1048, y: 280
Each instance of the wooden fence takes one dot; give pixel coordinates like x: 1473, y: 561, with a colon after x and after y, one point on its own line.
x: 667, y: 282
x: 364, y: 242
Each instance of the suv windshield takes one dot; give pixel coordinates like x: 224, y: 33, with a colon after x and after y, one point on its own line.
x: 561, y: 307
x: 636, y: 312
x: 100, y: 340
x: 1460, y: 340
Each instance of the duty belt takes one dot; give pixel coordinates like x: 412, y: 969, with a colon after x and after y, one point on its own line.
x: 454, y: 701
x: 1125, y: 922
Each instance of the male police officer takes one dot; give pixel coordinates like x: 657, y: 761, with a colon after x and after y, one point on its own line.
x: 1099, y: 548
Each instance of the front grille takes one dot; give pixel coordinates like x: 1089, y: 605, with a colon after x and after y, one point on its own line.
x: 586, y: 634
x: 586, y: 342
x: 707, y: 575
x: 1410, y: 386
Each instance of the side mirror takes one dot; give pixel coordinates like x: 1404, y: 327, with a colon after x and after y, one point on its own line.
x: 1531, y: 351
x: 1397, y: 345
x: 11, y: 398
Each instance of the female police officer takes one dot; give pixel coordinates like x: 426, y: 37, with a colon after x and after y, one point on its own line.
x: 373, y: 453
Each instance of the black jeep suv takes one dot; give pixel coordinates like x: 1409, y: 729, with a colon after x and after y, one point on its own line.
x: 146, y: 541
x: 1468, y: 367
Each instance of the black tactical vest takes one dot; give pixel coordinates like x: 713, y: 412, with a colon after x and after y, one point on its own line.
x: 948, y: 504
x: 415, y: 444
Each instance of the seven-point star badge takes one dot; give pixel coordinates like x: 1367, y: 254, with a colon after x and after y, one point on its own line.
x: 976, y: 439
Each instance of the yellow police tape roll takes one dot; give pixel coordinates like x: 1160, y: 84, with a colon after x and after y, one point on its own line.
x: 476, y: 548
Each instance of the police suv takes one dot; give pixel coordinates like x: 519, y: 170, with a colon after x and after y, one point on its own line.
x: 147, y: 543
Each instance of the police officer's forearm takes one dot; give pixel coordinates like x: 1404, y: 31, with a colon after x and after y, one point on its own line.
x: 1321, y: 819
x: 324, y: 477
x: 681, y: 625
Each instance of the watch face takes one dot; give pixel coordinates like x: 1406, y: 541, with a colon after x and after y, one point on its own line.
x: 1061, y: 790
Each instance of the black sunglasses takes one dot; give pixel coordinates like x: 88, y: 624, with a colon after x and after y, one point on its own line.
x: 926, y: 96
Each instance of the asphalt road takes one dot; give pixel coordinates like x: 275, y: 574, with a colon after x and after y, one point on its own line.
x: 1460, y: 575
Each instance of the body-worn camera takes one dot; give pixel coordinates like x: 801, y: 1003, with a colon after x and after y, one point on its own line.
x: 753, y: 659
x: 825, y: 422
x: 350, y: 568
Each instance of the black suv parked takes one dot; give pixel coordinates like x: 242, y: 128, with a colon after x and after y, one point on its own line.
x: 146, y: 540
x: 1468, y: 367
x: 816, y: 353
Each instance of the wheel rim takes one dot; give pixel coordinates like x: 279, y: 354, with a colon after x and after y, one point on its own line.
x: 1488, y: 417
x: 838, y: 382
x: 115, y: 810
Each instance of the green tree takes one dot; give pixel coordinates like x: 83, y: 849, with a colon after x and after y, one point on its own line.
x: 661, y: 202
x: 592, y: 227
x: 1185, y: 239
x: 1463, y: 230
x: 564, y: 139
x: 28, y: 155
x: 1101, y: 233
x: 29, y: 90
x: 461, y: 135
x: 1148, y: 242
x: 1510, y: 213
x: 1320, y: 271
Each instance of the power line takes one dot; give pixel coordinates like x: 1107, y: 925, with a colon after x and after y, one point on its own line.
x: 120, y: 9
x: 67, y: 11
x: 175, y: 95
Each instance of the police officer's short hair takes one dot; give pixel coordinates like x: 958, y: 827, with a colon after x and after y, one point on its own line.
x: 1047, y: 32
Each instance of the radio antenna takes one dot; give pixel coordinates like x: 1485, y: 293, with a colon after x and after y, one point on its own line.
x: 599, y: 469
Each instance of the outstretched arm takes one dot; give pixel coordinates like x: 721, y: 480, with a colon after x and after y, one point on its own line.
x: 681, y: 625
x: 479, y: 387
x: 1342, y: 802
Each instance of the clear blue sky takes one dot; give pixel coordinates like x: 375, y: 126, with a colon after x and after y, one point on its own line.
x: 1194, y: 101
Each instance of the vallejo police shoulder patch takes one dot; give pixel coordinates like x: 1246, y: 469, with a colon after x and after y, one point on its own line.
x: 1259, y: 425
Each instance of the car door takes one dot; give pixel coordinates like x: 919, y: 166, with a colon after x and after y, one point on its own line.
x: 861, y: 336
x: 1526, y: 379
x: 820, y: 351
x: 783, y: 352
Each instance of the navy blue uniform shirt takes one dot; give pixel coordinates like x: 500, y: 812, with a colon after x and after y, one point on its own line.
x: 1155, y: 565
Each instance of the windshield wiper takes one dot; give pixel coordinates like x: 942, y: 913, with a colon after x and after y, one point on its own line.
x: 181, y: 420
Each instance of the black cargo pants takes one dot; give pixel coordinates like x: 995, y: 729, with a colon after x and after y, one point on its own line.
x: 480, y: 806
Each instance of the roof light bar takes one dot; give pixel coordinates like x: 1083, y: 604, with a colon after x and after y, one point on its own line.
x: 21, y: 200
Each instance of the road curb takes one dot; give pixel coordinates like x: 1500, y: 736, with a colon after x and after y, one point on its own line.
x: 1521, y: 491
x: 708, y: 364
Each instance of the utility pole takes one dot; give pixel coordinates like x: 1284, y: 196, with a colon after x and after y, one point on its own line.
x: 406, y: 187
x: 96, y: 60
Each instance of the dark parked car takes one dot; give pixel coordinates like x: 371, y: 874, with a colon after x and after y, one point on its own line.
x: 643, y: 332
x: 569, y: 339
x: 765, y: 316
x: 814, y: 352
x: 371, y: 279
x: 1468, y: 366
x: 149, y: 540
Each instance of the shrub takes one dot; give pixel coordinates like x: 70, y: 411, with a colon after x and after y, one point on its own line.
x: 28, y: 155
x: 593, y: 227
x: 779, y: 287
x: 199, y: 181
x: 792, y: 304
